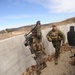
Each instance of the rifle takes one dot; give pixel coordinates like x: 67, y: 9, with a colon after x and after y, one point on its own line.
x: 30, y: 31
x: 27, y: 37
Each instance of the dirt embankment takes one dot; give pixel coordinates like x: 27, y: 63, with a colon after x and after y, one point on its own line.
x: 7, y: 33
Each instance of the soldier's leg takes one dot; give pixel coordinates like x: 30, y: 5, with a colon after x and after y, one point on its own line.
x: 44, y: 65
x: 57, y: 46
x: 57, y: 52
x: 38, y: 70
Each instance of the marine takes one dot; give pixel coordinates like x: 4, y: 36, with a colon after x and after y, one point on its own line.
x: 57, y: 38
x: 34, y: 40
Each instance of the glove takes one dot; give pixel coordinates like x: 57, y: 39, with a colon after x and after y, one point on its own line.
x: 25, y: 44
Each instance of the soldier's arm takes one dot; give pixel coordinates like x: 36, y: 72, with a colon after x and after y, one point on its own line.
x: 43, y: 48
x: 39, y: 34
x: 61, y: 34
x: 48, y: 36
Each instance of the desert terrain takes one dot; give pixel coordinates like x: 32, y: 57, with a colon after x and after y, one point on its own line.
x: 7, y: 33
x: 17, y: 49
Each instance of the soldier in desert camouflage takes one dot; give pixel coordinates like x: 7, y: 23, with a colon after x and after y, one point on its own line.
x: 37, y: 47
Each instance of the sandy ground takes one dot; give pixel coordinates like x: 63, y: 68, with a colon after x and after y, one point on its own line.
x: 63, y: 67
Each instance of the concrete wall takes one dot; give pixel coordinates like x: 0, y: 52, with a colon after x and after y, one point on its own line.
x: 15, y: 57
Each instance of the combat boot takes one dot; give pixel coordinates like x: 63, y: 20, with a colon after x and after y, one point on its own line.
x: 38, y: 72
x: 44, y: 65
x: 56, y: 61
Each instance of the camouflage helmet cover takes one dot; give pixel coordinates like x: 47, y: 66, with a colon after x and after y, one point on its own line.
x: 38, y: 22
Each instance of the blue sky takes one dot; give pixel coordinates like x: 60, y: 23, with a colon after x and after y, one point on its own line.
x: 16, y: 13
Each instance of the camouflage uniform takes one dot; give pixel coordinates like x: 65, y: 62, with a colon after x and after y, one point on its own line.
x: 56, y: 37
x: 37, y: 48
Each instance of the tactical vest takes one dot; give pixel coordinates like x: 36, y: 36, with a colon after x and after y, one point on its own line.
x: 55, y: 36
x: 35, y: 45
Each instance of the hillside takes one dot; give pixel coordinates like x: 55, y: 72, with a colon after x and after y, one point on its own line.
x: 24, y: 29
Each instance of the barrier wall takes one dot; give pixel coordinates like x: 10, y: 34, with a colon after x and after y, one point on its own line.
x: 15, y: 57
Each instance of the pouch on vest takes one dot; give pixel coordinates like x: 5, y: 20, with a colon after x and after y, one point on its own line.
x: 54, y: 36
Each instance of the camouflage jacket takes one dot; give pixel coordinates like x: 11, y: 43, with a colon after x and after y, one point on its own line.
x: 37, y: 28
x: 55, y: 36
x: 35, y: 44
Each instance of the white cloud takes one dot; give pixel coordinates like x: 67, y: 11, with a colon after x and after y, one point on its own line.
x: 56, y: 6
x: 63, y: 6
x: 40, y: 2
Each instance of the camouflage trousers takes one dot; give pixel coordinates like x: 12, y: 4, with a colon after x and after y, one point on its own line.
x: 40, y: 61
x: 57, y: 46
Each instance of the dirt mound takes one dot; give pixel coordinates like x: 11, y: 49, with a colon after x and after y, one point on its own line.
x: 24, y: 29
x: 67, y: 21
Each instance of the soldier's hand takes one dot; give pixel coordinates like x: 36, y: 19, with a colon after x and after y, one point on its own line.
x: 33, y: 55
x: 25, y: 44
x: 49, y: 39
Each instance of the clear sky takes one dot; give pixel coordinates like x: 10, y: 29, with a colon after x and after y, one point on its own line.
x: 16, y: 13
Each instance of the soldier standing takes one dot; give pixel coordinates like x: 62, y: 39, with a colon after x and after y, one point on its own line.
x: 36, y: 46
x: 56, y: 36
